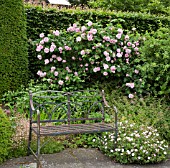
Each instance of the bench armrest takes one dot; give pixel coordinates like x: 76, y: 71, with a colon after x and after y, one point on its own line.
x: 31, y: 105
x: 104, y: 99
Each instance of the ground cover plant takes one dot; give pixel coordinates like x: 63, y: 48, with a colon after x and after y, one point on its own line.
x: 136, y: 144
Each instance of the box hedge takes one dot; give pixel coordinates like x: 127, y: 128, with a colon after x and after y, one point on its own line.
x: 13, y: 45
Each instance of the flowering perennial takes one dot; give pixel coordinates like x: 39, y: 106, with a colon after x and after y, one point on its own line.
x: 78, y: 53
x: 135, y: 144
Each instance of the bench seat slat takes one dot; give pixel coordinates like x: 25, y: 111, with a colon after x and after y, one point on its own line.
x: 73, y: 129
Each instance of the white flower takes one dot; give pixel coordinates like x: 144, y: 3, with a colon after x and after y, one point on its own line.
x: 139, y: 157
x: 133, y: 154
x: 128, y: 152
x: 111, y: 151
x: 133, y: 28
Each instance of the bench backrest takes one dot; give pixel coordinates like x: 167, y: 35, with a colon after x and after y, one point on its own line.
x: 67, y: 107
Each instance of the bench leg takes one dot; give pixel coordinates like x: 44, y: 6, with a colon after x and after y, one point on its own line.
x: 29, y: 141
x: 38, y: 152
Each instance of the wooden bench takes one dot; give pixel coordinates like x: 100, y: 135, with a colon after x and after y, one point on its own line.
x: 54, y: 113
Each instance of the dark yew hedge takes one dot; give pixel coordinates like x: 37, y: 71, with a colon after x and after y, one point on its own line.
x: 13, y: 45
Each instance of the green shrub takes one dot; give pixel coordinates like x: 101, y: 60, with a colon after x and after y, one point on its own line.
x: 13, y: 46
x: 6, y: 132
x: 155, y: 62
x: 135, y: 144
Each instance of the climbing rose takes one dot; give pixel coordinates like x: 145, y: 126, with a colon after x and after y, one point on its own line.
x: 131, y: 96
x: 60, y: 82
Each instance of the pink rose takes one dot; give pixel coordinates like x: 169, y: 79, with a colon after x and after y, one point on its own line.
x: 126, y: 37
x: 128, y: 51
x: 82, y: 52
x: 126, y: 55
x: 39, y: 57
x: 120, y: 31
x: 118, y: 36
x: 108, y: 58
x: 53, y: 69
x: 76, y: 73
x: 113, y: 41
x: 55, y: 73
x: 54, y: 56
x: 89, y: 37
x: 136, y: 48
x: 51, y: 49
x: 106, y: 38
x: 60, y: 82
x: 131, y: 85
x: 106, y: 53
x: 78, y: 39
x: 96, y: 69
x: 105, y: 73
x: 136, y: 71
x: 39, y: 47
x: 46, y: 61
x: 83, y: 28
x: 46, y: 50
x: 131, y: 96
x: 42, y: 42
x: 83, y: 35
x: 118, y: 50
x: 113, y: 69
x: 119, y: 55
x: 105, y: 66
x: 89, y: 23
x: 59, y: 59
x: 60, y: 49
x: 129, y: 43
x: 67, y: 48
x: 46, y: 39
x: 41, y: 35
x: 94, y: 31
x: 56, y: 33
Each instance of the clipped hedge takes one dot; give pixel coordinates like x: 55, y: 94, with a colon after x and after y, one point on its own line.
x: 13, y: 45
x: 43, y: 20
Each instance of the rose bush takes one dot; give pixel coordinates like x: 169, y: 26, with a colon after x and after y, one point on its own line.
x: 88, y: 53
